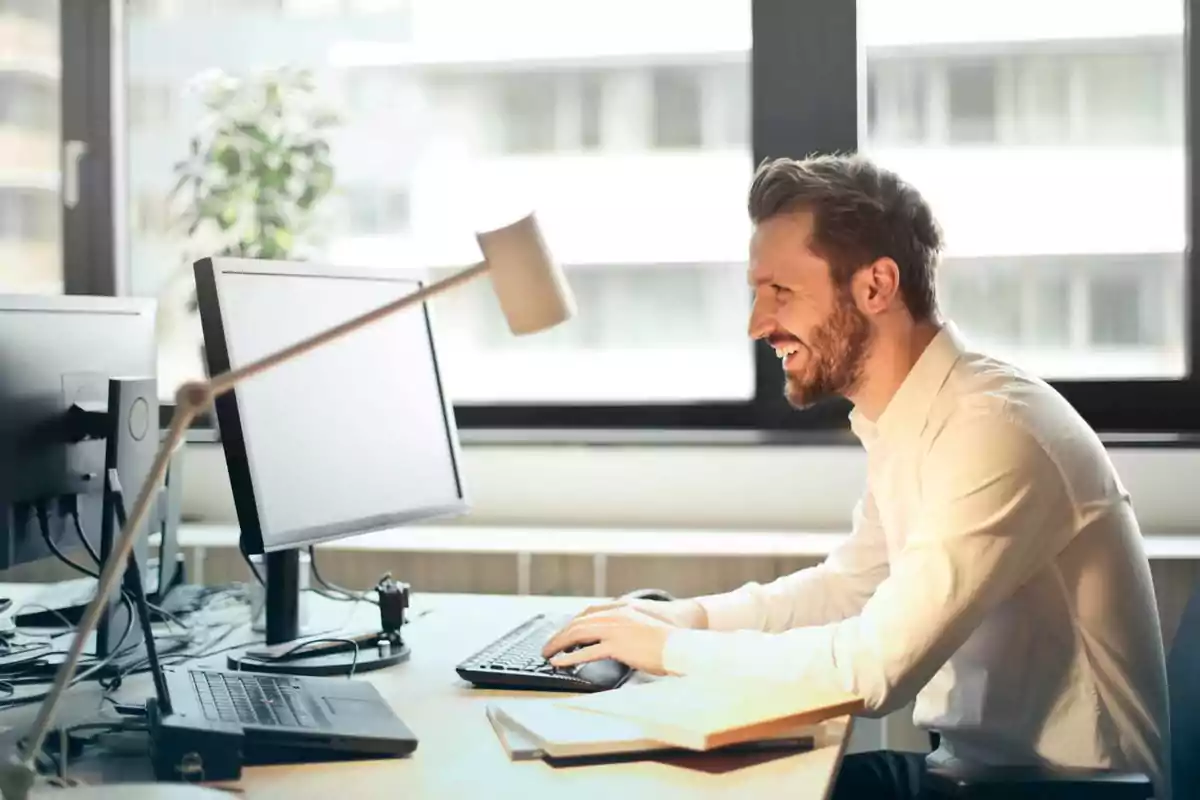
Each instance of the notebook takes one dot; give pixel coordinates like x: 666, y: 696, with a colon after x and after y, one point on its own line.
x: 546, y: 729
x: 704, y: 713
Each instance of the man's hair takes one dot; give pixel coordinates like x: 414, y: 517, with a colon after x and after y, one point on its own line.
x: 861, y: 213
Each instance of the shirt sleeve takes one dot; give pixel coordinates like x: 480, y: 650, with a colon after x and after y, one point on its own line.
x: 832, y: 590
x: 993, y: 511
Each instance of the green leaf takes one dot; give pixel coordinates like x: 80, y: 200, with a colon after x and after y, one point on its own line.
x: 283, y: 240
x: 229, y: 159
x: 254, y: 131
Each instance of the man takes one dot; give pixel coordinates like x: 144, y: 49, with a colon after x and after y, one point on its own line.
x: 995, y: 570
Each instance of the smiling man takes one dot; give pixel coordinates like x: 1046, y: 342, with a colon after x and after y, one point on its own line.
x: 994, y: 574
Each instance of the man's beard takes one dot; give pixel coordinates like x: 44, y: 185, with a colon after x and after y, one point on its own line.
x: 836, y: 352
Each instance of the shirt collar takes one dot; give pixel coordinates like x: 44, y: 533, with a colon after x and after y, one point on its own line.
x: 908, y: 410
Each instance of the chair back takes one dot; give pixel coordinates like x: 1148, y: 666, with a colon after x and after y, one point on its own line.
x: 1183, y: 687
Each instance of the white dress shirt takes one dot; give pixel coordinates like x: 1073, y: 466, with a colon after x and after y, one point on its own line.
x: 995, y: 573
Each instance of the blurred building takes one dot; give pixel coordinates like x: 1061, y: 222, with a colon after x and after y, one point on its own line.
x: 1047, y: 136
x: 30, y: 68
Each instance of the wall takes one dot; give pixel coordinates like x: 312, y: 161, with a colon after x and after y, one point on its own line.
x: 751, y: 487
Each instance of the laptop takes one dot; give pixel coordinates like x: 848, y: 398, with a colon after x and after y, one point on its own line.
x: 286, y: 719
x: 206, y: 724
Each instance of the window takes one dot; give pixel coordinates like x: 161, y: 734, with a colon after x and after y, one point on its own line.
x: 149, y: 106
x: 28, y: 101
x: 529, y: 112
x: 988, y: 298
x: 897, y: 110
x: 425, y: 150
x: 678, y: 108
x: 971, y: 102
x: 1127, y: 97
x: 731, y: 105
x: 374, y: 210
x: 37, y: 10
x: 28, y: 215
x: 151, y: 214
x: 1041, y: 105
x: 897, y: 101
x: 31, y: 258
x: 1034, y: 264
x: 591, y: 111
x: 1051, y: 144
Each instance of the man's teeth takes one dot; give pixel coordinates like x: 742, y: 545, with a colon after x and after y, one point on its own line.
x: 786, y: 350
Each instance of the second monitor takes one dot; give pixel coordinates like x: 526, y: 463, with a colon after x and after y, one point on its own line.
x: 355, y: 437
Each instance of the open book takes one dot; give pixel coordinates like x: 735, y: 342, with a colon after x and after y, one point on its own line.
x: 704, y: 713
x: 546, y: 729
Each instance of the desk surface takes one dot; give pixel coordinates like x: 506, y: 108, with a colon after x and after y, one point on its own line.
x: 459, y: 755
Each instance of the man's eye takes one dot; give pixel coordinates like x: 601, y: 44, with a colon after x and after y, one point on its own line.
x: 780, y: 289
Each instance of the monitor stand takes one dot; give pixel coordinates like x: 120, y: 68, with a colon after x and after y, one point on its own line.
x: 376, y: 649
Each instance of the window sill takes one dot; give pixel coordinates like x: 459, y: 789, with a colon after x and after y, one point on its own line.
x: 662, y: 437
x: 472, y: 539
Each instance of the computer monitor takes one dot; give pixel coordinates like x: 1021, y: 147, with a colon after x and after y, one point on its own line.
x: 354, y: 437
x: 57, y: 356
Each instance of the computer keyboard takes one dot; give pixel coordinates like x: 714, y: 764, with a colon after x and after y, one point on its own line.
x: 253, y: 699
x: 514, y: 661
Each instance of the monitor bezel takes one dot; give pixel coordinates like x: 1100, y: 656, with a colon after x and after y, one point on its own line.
x: 210, y: 274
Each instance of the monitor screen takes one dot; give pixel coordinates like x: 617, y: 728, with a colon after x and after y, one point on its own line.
x: 354, y: 436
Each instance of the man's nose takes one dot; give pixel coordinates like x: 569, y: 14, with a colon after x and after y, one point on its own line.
x: 761, y: 317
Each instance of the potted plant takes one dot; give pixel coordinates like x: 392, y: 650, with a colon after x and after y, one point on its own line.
x: 253, y: 185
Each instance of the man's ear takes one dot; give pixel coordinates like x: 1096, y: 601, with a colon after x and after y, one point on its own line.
x: 876, y: 286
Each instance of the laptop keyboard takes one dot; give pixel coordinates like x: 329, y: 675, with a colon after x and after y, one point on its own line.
x: 253, y: 699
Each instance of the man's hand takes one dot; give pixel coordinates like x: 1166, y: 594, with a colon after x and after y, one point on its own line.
x: 624, y: 633
x: 679, y: 613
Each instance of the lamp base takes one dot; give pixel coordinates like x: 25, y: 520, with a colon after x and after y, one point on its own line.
x: 339, y: 662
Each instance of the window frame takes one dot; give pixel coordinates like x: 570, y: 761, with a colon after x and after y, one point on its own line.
x: 789, y: 117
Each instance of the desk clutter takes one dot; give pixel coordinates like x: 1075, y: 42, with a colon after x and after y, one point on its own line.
x: 671, y: 714
x: 417, y: 722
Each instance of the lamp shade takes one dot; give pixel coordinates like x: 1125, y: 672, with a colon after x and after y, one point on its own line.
x: 529, y: 283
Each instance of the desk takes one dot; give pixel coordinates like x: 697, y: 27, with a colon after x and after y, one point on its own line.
x: 459, y: 755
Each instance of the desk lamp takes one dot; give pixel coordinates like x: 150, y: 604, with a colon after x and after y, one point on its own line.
x: 533, y: 295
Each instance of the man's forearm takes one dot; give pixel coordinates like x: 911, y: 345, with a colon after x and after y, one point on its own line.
x: 694, y: 614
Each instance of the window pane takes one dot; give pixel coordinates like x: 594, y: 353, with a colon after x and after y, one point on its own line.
x: 677, y: 108
x: 30, y: 208
x: 625, y: 131
x: 971, y: 101
x: 1020, y: 123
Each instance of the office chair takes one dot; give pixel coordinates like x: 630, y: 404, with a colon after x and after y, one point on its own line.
x: 969, y: 782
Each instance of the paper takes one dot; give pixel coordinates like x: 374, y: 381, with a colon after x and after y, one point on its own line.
x: 703, y: 713
x: 517, y: 744
x: 564, y: 732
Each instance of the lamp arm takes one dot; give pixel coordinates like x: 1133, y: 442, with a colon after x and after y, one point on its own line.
x: 191, y: 399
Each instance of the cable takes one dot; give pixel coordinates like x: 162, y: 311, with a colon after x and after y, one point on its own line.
x: 44, y: 524
x: 82, y: 676
x: 282, y: 656
x: 330, y: 587
x: 74, y: 512
x: 253, y: 569
x: 53, y: 612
